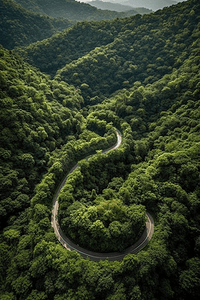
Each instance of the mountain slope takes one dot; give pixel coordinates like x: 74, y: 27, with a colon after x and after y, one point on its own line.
x: 20, y: 27
x: 118, y: 7
x: 47, y: 125
x: 71, y: 45
x: 141, y: 42
x: 33, y: 123
x: 153, y: 4
x: 72, y: 10
x: 147, y: 48
x: 44, y: 129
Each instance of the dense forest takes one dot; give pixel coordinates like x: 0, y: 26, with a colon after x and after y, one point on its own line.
x: 62, y: 100
x: 20, y: 27
x: 72, y: 10
x: 129, y: 53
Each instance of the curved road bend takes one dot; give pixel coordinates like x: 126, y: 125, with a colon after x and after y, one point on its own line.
x: 95, y: 256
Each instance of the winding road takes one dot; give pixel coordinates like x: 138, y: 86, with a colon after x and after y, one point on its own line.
x: 95, y: 256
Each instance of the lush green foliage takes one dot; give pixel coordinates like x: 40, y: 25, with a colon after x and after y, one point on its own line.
x: 141, y: 48
x: 20, y: 27
x: 72, y: 10
x: 33, y: 123
x: 90, y: 210
x: 105, y: 226
x: 135, y: 55
x: 71, y: 45
x: 37, y: 116
x: 47, y: 125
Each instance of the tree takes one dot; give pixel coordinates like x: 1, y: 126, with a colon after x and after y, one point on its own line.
x: 5, y: 257
x: 12, y: 236
x: 190, y: 278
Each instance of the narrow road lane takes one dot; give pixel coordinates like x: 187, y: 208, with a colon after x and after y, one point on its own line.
x: 65, y: 241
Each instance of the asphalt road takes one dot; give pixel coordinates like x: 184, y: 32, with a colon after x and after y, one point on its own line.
x: 65, y: 241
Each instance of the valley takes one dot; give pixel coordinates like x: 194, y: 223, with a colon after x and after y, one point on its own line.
x: 66, y: 84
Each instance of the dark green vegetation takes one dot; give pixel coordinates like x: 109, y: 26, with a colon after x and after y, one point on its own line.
x: 71, y: 45
x: 135, y: 55
x: 72, y: 10
x: 140, y: 48
x: 20, y: 27
x: 93, y: 216
x: 48, y: 124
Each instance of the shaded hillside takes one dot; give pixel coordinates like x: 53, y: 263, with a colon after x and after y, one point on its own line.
x: 72, y: 10
x: 146, y: 48
x: 47, y: 126
x: 43, y: 131
x: 142, y: 104
x: 71, y: 45
x: 118, y: 7
x: 164, y: 177
x: 138, y: 48
x: 33, y: 123
x: 37, y: 116
x: 20, y: 27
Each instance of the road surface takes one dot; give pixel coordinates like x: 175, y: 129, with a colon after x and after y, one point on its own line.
x: 65, y: 241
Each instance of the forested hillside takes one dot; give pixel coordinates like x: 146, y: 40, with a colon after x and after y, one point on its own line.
x: 146, y: 48
x: 74, y: 43
x: 139, y: 75
x: 72, y: 10
x: 141, y: 48
x: 20, y: 27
